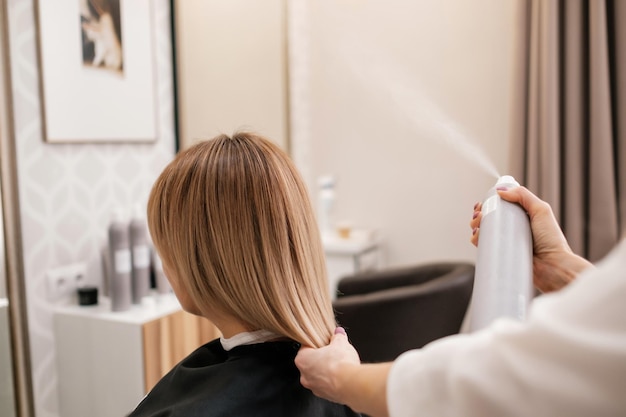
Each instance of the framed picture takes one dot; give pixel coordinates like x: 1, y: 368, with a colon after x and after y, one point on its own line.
x: 97, y: 70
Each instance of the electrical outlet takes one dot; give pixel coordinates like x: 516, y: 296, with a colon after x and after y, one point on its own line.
x: 65, y: 280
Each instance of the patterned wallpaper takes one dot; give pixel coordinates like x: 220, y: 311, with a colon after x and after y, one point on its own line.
x: 67, y: 191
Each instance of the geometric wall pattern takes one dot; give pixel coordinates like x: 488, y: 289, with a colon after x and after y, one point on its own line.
x: 67, y: 192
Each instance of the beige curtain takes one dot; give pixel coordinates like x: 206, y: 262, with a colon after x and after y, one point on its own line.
x: 569, y: 121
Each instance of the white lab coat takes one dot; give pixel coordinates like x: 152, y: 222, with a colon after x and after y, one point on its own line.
x: 568, y: 359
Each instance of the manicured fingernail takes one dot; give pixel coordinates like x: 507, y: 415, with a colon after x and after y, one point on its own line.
x: 474, y: 230
x: 475, y: 215
x: 340, y: 330
x: 502, y: 188
x: 476, y: 206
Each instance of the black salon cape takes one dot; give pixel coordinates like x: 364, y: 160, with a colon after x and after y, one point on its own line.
x: 258, y: 380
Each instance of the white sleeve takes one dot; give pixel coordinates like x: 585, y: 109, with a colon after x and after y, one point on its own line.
x: 567, y: 359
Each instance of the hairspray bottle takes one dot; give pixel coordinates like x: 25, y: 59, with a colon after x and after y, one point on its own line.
x: 503, y: 280
x: 140, y: 250
x: 326, y: 201
x: 160, y: 280
x: 121, y: 263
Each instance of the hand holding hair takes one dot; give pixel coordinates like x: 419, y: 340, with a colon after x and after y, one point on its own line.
x: 320, y: 368
x: 335, y: 372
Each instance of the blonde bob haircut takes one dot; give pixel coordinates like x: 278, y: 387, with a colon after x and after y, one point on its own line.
x: 231, y: 218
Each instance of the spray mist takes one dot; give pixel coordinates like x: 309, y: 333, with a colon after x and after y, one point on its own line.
x: 503, y: 281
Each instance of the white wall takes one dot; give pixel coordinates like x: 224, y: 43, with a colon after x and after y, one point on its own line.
x: 375, y: 91
x: 68, y: 192
x: 232, y: 68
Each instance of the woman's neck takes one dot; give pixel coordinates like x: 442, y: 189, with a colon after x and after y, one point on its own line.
x: 228, y: 325
x: 232, y: 328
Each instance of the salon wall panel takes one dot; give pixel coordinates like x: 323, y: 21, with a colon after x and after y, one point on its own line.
x: 231, y: 75
x: 67, y: 192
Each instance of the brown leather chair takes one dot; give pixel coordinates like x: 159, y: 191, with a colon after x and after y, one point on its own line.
x: 391, y: 311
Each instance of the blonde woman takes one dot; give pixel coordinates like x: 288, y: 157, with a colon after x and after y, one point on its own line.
x: 233, y: 224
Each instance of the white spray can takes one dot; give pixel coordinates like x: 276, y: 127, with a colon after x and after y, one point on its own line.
x: 503, y: 280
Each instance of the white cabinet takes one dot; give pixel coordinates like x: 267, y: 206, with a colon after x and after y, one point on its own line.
x: 108, y: 361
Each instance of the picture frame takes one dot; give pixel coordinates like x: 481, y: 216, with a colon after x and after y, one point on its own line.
x: 98, y: 71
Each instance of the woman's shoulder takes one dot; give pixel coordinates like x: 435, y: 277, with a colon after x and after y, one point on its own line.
x: 249, y: 380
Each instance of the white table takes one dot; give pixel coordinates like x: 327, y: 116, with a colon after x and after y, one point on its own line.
x: 346, y: 256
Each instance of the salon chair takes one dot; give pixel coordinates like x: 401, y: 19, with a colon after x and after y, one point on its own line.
x: 388, y: 312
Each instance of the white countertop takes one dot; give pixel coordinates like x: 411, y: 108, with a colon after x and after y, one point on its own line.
x: 152, y: 308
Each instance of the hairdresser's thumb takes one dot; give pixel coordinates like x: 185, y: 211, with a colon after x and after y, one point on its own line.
x: 340, y: 332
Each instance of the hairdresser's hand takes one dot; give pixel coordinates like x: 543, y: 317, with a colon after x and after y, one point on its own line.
x: 554, y: 263
x: 320, y: 368
x: 335, y: 372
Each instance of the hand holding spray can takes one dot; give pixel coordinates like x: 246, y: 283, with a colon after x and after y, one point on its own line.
x: 503, y: 280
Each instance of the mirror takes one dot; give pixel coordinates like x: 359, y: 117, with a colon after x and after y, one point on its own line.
x: 15, y: 379
x: 7, y: 395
